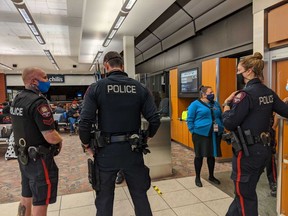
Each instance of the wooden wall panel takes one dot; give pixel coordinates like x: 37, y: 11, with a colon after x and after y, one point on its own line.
x: 209, y: 73
x: 281, y: 81
x: 278, y: 26
x: 2, y: 87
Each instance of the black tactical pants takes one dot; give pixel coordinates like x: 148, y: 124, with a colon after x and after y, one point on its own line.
x: 111, y: 159
x: 271, y: 168
x: 246, y: 172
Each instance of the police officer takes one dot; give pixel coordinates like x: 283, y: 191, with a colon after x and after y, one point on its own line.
x: 120, y: 101
x: 35, y: 140
x: 250, y: 109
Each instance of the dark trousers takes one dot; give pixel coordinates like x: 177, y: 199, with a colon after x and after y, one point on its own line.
x: 113, y: 158
x: 246, y: 172
x: 271, y: 169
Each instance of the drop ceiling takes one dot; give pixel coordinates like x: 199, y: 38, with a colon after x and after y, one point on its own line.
x: 74, y: 30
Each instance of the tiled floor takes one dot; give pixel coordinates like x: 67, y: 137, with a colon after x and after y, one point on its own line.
x: 179, y: 196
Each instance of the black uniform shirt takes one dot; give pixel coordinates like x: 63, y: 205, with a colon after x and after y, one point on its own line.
x: 31, y: 114
x: 252, y: 108
x: 120, y: 101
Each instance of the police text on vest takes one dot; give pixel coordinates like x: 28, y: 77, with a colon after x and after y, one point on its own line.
x: 122, y: 89
x: 18, y: 111
x: 266, y: 99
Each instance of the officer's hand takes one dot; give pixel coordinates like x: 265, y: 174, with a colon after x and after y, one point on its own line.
x: 230, y: 98
x: 89, y: 152
x: 58, y: 148
x: 285, y: 100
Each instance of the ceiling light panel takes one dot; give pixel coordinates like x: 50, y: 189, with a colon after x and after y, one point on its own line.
x: 119, y: 21
x: 130, y: 4
x: 18, y: 41
x: 57, y: 39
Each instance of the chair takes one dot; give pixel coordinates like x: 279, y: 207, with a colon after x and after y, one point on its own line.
x: 62, y: 121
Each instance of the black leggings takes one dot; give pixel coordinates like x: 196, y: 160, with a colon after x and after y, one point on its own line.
x: 198, y: 161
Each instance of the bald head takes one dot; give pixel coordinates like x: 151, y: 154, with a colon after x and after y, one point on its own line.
x: 30, y: 75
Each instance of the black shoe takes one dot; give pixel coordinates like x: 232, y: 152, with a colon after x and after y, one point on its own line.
x: 214, y: 180
x: 198, y: 182
x: 273, y: 186
x: 273, y: 193
x: 119, y: 178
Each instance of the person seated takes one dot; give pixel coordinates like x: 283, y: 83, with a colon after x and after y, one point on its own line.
x: 60, y: 108
x: 73, y: 116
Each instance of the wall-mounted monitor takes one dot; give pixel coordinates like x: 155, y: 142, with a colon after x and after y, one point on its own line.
x: 188, y: 83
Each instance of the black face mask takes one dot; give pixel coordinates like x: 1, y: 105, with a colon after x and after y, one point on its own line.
x: 240, y: 81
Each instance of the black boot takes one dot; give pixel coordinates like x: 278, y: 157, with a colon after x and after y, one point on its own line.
x: 273, y: 187
x: 214, y: 180
x: 198, y: 182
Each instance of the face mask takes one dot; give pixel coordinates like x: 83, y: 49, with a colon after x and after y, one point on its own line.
x: 287, y: 87
x: 43, y: 86
x: 210, y: 97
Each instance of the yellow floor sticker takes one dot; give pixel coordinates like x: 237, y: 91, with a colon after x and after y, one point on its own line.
x: 157, y: 190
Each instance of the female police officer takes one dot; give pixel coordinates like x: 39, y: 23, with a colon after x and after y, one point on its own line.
x: 250, y: 109
x: 120, y: 101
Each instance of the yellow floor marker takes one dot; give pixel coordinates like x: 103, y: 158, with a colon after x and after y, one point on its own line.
x: 157, y: 190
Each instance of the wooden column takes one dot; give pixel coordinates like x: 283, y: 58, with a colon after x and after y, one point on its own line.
x: 2, y: 87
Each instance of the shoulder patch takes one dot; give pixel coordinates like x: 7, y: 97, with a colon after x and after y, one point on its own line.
x: 44, y: 110
x: 239, y: 97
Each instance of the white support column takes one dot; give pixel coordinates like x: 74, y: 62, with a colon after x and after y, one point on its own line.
x: 129, y: 56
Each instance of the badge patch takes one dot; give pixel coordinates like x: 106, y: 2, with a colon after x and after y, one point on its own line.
x: 239, y: 97
x: 44, y: 110
x: 48, y: 122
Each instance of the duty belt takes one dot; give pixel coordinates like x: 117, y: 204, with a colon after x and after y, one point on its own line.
x: 120, y: 138
x: 37, y: 152
x: 264, y: 139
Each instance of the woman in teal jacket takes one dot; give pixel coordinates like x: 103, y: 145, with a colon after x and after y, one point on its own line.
x: 204, y: 121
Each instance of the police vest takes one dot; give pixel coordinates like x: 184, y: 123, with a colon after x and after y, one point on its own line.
x: 23, y: 122
x: 119, y: 100
x: 261, y: 108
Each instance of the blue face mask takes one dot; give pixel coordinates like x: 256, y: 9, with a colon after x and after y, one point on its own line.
x: 43, y: 86
x: 287, y: 87
x: 210, y: 97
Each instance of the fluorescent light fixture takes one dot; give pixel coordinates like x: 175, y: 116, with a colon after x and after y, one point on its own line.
x: 106, y: 42
x: 5, y: 66
x: 98, y: 55
x: 33, y: 29
x: 56, y: 67
x: 40, y: 39
x: 129, y: 4
x: 51, y: 58
x: 25, y: 15
x: 119, y: 22
x: 113, y: 32
x: 91, y: 67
